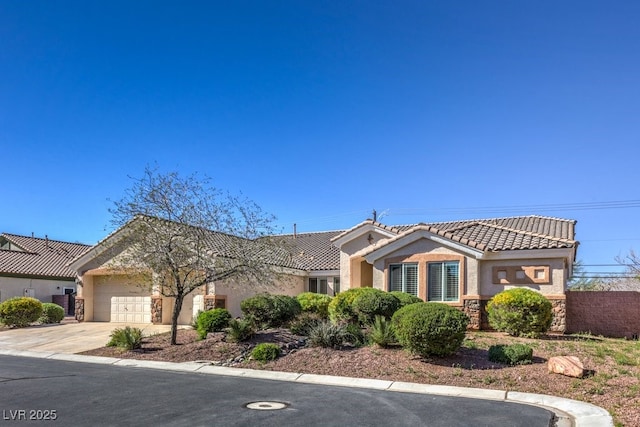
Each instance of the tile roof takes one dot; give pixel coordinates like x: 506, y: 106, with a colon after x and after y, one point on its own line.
x: 314, y: 251
x: 40, y: 257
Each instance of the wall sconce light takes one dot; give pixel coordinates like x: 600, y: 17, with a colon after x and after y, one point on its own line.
x: 370, y: 238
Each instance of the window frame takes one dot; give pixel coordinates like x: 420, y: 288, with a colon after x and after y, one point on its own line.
x: 444, y: 283
x: 404, y: 277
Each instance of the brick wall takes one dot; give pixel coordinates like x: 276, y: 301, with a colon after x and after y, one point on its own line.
x: 611, y: 314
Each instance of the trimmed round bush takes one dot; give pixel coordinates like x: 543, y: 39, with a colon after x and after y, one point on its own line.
x: 314, y: 303
x: 430, y: 328
x: 520, y: 312
x: 20, y: 311
x: 514, y: 354
x: 51, y: 313
x: 265, y: 352
x: 341, y: 306
x: 212, y: 321
x: 405, y: 298
x: 368, y: 305
x: 268, y: 310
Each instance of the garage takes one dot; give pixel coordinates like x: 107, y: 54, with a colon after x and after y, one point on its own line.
x: 121, y: 303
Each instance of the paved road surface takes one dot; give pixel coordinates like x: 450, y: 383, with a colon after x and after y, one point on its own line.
x: 85, y: 394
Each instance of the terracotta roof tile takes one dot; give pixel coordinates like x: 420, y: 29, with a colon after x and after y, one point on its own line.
x: 40, y: 257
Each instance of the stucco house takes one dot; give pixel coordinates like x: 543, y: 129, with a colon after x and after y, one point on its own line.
x: 460, y: 263
x: 36, y: 267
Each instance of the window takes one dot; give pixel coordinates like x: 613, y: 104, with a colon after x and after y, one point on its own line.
x: 404, y: 277
x: 443, y: 281
x: 318, y: 286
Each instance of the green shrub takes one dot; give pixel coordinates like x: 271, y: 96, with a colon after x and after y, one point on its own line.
x: 341, y: 306
x: 430, y: 329
x: 304, y: 322
x: 329, y: 335
x: 20, y: 311
x: 405, y: 298
x: 368, y: 305
x: 514, y: 354
x: 520, y: 312
x: 126, y: 338
x: 212, y: 321
x: 240, y: 330
x: 270, y: 311
x: 315, y: 303
x: 382, y: 332
x: 357, y: 336
x: 265, y: 352
x: 51, y: 313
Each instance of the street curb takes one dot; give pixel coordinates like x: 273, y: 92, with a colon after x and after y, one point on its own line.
x: 579, y: 414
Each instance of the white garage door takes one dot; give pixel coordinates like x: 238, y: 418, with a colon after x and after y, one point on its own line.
x: 121, y: 302
x: 131, y: 309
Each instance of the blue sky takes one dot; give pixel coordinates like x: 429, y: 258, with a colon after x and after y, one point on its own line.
x: 322, y: 111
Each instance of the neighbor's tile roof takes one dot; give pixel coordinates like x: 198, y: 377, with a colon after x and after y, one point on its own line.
x: 314, y: 251
x: 41, y: 257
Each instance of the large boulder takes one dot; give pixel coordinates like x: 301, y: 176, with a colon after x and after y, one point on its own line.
x: 570, y: 366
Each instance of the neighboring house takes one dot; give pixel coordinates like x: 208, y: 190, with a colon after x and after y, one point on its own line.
x: 35, y: 267
x: 460, y: 263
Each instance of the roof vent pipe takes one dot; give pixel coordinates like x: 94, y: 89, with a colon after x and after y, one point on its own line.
x: 46, y: 240
x: 375, y: 215
x: 295, y: 230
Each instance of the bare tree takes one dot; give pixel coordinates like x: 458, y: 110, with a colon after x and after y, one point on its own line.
x: 631, y: 261
x: 185, y: 233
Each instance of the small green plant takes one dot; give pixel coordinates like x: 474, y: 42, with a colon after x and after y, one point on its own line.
x: 51, y: 313
x: 265, y: 352
x: 514, y: 354
x: 212, y: 321
x: 382, y: 332
x: 520, y: 312
x: 315, y: 303
x: 329, y: 335
x: 126, y: 338
x: 430, y: 329
x: 20, y: 311
x: 240, y: 330
x: 374, y: 303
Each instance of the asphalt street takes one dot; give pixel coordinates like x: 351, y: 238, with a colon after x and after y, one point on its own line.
x: 52, y: 392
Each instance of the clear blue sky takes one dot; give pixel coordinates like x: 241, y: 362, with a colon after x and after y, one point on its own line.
x: 322, y: 111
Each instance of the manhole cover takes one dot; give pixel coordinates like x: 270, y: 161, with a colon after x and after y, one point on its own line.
x: 266, y: 406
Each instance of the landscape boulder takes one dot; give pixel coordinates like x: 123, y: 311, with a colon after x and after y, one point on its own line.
x: 570, y: 366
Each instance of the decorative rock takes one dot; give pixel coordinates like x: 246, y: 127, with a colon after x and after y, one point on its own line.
x: 570, y: 366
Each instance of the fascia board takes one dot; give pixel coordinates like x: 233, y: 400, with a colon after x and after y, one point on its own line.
x: 354, y: 234
x: 528, y: 254
x: 324, y: 273
x: 415, y: 236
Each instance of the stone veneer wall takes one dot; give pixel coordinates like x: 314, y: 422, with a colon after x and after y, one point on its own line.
x: 80, y: 309
x: 156, y: 310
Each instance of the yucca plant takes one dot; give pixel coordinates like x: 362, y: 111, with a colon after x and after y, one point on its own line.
x: 126, y: 338
x: 382, y: 332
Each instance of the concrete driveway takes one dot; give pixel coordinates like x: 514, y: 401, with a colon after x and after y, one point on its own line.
x: 67, y: 337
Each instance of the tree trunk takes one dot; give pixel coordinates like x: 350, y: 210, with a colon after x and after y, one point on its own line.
x: 174, y: 318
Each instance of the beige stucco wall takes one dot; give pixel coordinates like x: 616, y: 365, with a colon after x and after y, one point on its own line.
x: 44, y: 288
x: 350, y: 248
x: 556, y: 270
x: 291, y: 285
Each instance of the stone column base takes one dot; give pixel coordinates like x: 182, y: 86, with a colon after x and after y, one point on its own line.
x: 156, y: 310
x: 79, y: 309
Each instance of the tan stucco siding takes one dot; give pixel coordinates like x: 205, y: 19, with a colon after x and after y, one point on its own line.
x: 42, y: 288
x: 350, y: 248
x: 235, y: 294
x: 555, y: 285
